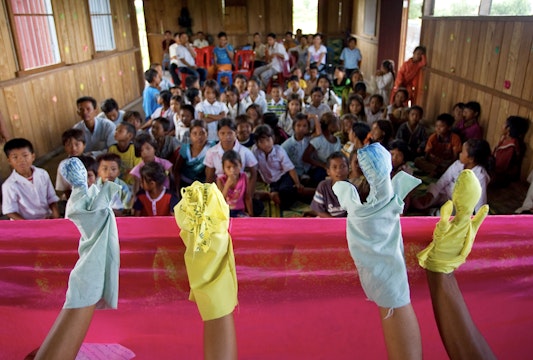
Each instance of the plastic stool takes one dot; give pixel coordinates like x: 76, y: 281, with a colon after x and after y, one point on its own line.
x: 222, y: 74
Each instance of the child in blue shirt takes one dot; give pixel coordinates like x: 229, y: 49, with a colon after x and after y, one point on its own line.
x: 151, y: 92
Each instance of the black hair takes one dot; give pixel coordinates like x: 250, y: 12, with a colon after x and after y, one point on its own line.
x: 189, y: 108
x: 293, y: 78
x: 240, y: 76
x: 226, y: 122
x: 271, y: 35
x: 257, y: 109
x: 317, y: 89
x: 165, y: 123
x: 447, y: 119
x: 89, y: 162
x: 165, y: 96
x: 150, y: 74
x: 129, y: 128
x: 359, y: 86
x: 300, y: 117
x: 288, y: 33
x: 198, y: 122
x: 271, y: 119
x: 404, y: 91
x: 190, y: 80
x: 518, y: 126
x: 191, y: 94
x: 324, y: 76
x: 386, y: 127
x: 474, y: 106
x: 212, y: 84
x: 232, y: 156
x: 142, y: 139
x: 360, y: 130
x: 460, y: 105
x: 76, y: 134
x: 109, y: 105
x: 263, y: 132
x: 313, y: 66
x: 153, y: 171
x: 389, y: 65
x: 479, y: 150
x: 134, y: 114
x: 340, y: 68
x: 417, y: 108
x: 351, y: 38
x: 421, y: 48
x: 402, y: 147
x: 326, y: 119
x: 292, y: 97
x: 377, y: 96
x: 86, y: 99
x: 109, y: 157
x: 17, y: 143
x: 177, y: 98
x: 221, y: 34
x: 336, y: 155
x: 243, y: 119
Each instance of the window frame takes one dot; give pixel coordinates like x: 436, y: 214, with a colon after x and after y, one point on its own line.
x: 485, y: 7
x: 111, y: 15
x: 16, y: 43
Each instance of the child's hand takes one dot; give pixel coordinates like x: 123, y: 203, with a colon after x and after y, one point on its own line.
x: 232, y: 180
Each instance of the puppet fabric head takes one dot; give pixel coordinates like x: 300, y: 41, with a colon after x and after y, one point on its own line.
x: 73, y: 170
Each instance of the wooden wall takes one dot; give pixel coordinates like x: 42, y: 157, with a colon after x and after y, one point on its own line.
x: 41, y: 106
x: 483, y: 59
x: 240, y: 19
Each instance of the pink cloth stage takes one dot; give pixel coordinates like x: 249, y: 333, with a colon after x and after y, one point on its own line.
x: 299, y: 296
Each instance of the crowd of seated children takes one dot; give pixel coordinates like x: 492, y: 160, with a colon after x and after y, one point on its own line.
x: 154, y: 199
x: 181, y: 133
x: 233, y: 184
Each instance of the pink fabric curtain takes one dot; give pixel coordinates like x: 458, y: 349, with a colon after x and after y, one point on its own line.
x: 299, y: 294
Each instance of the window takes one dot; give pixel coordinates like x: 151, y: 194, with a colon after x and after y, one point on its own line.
x: 102, y: 24
x: 35, y: 30
x: 481, y: 7
x: 305, y: 15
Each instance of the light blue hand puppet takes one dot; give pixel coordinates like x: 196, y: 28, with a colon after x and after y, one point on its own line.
x: 373, y: 228
x: 94, y: 279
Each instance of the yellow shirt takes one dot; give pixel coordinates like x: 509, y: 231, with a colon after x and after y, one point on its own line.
x: 128, y: 162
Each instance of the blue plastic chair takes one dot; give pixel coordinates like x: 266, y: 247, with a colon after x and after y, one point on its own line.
x: 227, y: 74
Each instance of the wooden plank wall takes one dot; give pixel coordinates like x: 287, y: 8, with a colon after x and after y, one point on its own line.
x: 483, y: 59
x: 366, y: 43
x: 41, y: 106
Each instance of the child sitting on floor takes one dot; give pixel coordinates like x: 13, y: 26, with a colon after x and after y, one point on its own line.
x: 510, y: 150
x: 211, y: 109
x: 124, y: 148
x: 244, y: 131
x: 374, y: 110
x: 277, y: 104
x: 412, y: 132
x: 271, y: 119
x: 167, y: 145
x: 397, y: 111
x: 325, y: 202
x: 355, y: 106
x: 134, y: 118
x: 145, y: 148
x: 275, y: 168
x: 154, y: 199
x: 294, y: 106
x: 474, y: 155
x: 357, y: 135
x: 320, y: 147
x: 442, y: 148
x: 293, y: 87
x: 74, y: 145
x: 235, y: 106
x: 234, y: 185
x: 183, y: 134
x: 400, y: 155
x: 297, y: 143
x: 109, y: 170
x: 381, y: 132
x: 27, y: 193
x: 347, y: 120
x: 469, y: 128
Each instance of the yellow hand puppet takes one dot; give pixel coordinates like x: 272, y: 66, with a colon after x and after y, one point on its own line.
x: 453, y: 240
x: 203, y: 217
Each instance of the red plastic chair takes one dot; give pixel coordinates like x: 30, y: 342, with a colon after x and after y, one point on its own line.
x: 244, y: 63
x: 205, y: 57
